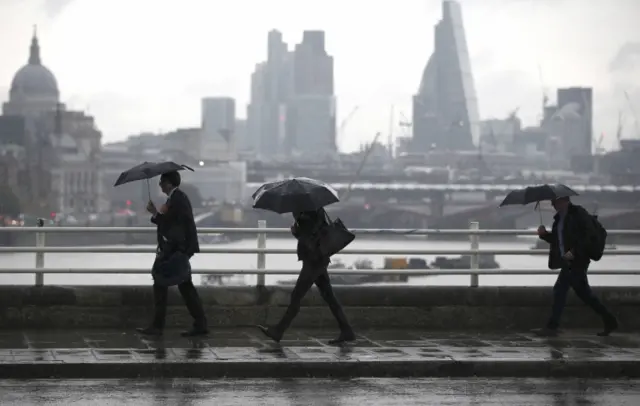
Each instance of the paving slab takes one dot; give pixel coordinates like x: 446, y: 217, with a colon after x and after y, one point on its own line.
x: 246, y: 353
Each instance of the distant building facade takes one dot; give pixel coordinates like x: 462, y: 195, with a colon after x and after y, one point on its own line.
x: 60, y: 149
x: 13, y: 134
x: 445, y: 108
x: 242, y: 141
x: 579, y: 100
x: 311, y: 109
x: 218, y: 128
x: 293, y: 108
x: 500, y: 134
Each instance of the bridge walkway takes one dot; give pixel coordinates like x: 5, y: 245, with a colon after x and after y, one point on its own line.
x: 244, y: 352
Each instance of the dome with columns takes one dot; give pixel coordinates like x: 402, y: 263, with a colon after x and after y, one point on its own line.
x: 34, y: 81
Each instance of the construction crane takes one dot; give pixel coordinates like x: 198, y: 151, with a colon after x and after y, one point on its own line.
x: 633, y: 111
x: 619, y: 129
x: 545, y: 96
x: 343, y: 125
x: 405, y: 123
x: 599, y: 148
x: 390, y: 142
x: 356, y: 176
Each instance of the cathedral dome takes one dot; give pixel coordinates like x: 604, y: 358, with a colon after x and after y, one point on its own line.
x: 34, y: 81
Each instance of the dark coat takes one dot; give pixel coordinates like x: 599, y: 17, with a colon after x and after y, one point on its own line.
x: 176, y: 229
x: 177, y: 241
x: 305, y: 230
x: 577, y: 230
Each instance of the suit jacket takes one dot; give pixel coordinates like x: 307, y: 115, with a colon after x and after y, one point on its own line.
x: 176, y: 229
x: 576, y: 233
x: 305, y: 231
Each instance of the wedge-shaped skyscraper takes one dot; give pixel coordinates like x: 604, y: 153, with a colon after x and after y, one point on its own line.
x: 445, y: 109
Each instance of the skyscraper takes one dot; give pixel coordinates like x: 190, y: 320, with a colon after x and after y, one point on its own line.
x: 582, y: 99
x: 292, y: 107
x: 271, y: 85
x: 445, y: 109
x: 311, y: 110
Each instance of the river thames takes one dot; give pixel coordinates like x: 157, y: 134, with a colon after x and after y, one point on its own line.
x: 289, y: 261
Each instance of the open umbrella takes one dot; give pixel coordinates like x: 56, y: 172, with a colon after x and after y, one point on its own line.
x: 148, y: 170
x: 537, y: 194
x: 266, y: 186
x: 291, y: 195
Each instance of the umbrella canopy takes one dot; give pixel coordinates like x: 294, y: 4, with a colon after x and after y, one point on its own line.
x: 148, y: 170
x: 537, y: 193
x: 267, y: 186
x: 292, y: 195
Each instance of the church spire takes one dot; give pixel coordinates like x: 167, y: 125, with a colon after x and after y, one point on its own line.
x: 34, y: 55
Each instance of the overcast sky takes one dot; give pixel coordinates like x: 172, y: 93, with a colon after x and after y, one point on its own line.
x: 143, y: 65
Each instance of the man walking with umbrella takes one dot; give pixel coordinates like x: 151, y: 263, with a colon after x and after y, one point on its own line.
x: 574, y: 240
x: 177, y: 242
x: 305, y: 198
x: 569, y: 242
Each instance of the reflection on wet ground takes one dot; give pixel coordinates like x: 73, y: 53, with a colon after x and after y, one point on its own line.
x: 401, y: 392
x: 97, y: 346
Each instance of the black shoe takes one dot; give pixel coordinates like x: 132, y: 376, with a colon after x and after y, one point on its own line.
x: 150, y: 331
x: 271, y: 333
x: 343, y: 338
x: 609, y: 327
x: 545, y: 332
x: 195, y: 332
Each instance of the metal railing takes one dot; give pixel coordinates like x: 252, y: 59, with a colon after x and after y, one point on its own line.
x: 474, y: 232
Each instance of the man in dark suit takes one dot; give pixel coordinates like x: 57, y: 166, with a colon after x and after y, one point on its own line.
x: 177, y: 236
x: 569, y: 251
x: 314, y: 270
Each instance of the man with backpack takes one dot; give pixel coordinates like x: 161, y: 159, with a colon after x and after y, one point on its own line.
x: 576, y: 238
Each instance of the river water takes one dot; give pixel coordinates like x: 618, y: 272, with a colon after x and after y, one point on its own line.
x: 289, y: 261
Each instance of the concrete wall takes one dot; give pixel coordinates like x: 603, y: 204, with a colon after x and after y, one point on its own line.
x: 438, y: 308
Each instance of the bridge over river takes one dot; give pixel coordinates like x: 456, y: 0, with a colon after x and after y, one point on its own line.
x: 404, y: 191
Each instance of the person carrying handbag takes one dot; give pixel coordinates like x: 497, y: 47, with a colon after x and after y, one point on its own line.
x: 307, y: 229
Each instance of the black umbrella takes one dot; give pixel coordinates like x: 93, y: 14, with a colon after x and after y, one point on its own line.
x: 266, y: 186
x: 291, y: 195
x: 537, y: 194
x: 148, y: 170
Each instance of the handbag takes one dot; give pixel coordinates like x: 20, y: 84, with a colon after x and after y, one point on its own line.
x: 170, y: 269
x: 334, y: 237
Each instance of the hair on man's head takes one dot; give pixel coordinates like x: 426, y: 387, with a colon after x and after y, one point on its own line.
x: 172, y: 178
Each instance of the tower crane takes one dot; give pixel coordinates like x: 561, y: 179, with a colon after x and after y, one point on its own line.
x: 619, y: 129
x: 343, y: 125
x: 545, y: 96
x: 361, y: 167
x: 635, y: 116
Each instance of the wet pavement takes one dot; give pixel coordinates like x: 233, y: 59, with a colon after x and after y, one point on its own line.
x: 245, y: 353
x: 363, y: 391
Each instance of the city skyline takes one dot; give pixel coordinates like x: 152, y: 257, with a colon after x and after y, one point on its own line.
x: 375, y: 68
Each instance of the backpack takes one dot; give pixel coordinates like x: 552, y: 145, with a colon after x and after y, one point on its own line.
x: 597, y: 241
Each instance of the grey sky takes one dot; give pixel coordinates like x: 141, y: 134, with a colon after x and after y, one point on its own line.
x: 144, y: 65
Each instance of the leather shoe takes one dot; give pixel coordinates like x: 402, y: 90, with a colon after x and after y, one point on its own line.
x: 195, y: 332
x: 343, y: 338
x: 609, y: 327
x: 150, y: 331
x: 271, y: 333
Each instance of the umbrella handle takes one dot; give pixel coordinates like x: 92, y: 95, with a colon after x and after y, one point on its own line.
x: 149, y: 189
x: 539, y: 211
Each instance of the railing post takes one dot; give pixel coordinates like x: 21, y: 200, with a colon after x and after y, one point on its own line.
x: 262, y: 257
x: 475, y: 257
x: 40, y: 243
